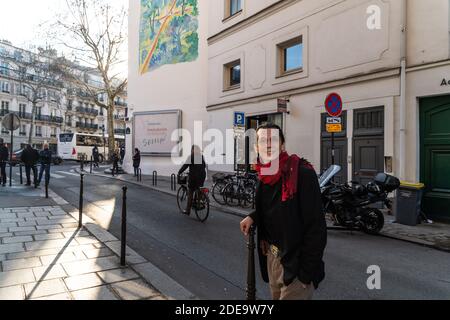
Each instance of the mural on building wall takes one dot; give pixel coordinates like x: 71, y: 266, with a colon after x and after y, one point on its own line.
x: 168, y: 33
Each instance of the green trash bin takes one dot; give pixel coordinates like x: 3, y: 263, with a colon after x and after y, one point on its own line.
x: 409, y: 203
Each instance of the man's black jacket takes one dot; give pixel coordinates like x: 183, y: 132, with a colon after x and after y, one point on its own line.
x: 304, y: 234
x: 4, y: 154
x: 197, y: 172
x: 45, y: 156
x: 30, y: 156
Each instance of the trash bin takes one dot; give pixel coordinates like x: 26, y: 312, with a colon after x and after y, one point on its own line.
x: 408, y: 203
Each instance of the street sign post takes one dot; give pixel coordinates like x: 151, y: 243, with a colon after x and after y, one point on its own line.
x: 239, y: 119
x: 333, y: 105
x: 11, y: 122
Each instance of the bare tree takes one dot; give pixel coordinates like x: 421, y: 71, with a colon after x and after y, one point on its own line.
x: 36, y: 75
x: 94, y: 32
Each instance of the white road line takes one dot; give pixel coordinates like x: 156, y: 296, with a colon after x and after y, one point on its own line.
x: 68, y: 173
x: 52, y: 175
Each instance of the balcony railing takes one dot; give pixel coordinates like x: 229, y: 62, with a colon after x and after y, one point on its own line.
x: 87, y: 111
x: 4, y: 112
x: 87, y: 126
x: 22, y: 134
x: 120, y: 104
x: 120, y: 131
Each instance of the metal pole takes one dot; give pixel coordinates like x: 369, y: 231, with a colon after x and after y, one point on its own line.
x: 91, y: 166
x: 21, y: 174
x: 251, y: 280
x: 124, y: 228
x: 80, y: 219
x: 11, y: 152
x: 333, y: 162
x: 46, y: 190
x: 247, y: 154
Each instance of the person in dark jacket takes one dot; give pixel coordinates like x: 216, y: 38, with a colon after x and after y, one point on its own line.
x: 197, y: 174
x: 45, y: 158
x: 30, y: 158
x: 4, y: 157
x: 96, y: 156
x: 122, y: 154
x: 115, y: 160
x: 136, y: 161
x: 289, y: 218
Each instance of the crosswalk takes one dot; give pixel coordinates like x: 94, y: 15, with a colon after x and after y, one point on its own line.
x: 53, y: 175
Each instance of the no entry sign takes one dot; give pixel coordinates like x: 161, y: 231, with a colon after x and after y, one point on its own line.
x: 333, y: 104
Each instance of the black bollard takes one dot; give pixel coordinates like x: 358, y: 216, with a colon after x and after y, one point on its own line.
x: 251, y: 281
x: 21, y: 174
x: 80, y: 219
x: 173, y: 182
x: 10, y: 174
x: 123, y: 239
x: 91, y: 166
x: 155, y: 178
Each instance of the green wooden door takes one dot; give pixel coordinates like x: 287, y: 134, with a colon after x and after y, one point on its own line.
x: 435, y: 156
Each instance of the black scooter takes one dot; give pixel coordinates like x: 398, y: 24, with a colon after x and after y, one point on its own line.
x: 350, y: 204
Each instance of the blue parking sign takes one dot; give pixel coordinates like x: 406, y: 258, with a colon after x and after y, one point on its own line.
x: 239, y: 119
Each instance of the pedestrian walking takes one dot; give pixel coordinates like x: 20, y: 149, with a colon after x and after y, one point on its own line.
x: 4, y: 156
x: 136, y: 161
x: 291, y: 227
x: 115, y: 159
x: 45, y: 158
x: 96, y: 156
x: 30, y: 158
x: 197, y: 174
x: 122, y: 154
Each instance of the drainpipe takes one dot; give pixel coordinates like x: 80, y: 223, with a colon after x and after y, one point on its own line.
x: 402, y: 141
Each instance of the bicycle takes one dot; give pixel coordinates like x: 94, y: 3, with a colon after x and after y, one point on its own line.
x: 240, y: 191
x: 220, y: 180
x: 200, y: 202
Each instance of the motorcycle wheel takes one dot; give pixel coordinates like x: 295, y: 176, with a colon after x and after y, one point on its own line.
x: 373, y: 221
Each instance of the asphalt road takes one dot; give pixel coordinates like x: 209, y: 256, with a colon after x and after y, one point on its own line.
x: 210, y: 259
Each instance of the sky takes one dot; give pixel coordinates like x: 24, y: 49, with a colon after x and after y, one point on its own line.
x: 20, y: 20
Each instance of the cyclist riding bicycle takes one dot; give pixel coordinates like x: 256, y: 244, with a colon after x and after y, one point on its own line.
x: 197, y: 174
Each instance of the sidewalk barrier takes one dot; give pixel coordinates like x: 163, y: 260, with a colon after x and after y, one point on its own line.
x: 173, y: 182
x: 10, y: 174
x: 139, y: 175
x: 251, y: 281
x: 91, y: 166
x: 123, y: 239
x: 46, y: 190
x: 80, y: 219
x: 155, y: 178
x: 21, y: 174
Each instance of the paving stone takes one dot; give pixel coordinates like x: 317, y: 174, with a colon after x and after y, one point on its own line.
x: 97, y: 293
x: 58, y: 259
x: 27, y: 224
x: 36, y: 219
x: 98, y: 253
x: 5, y: 235
x: 16, y: 277
x: 35, y: 253
x: 48, y: 223
x: 9, y: 225
x: 11, y: 248
x: 49, y: 272
x: 56, y: 297
x: 49, y: 227
x: 69, y: 231
x: 70, y: 225
x: 17, y: 239
x: 134, y: 290
x: 58, y: 213
x: 44, y: 288
x: 20, y: 229
x: 3, y: 230
x: 8, y: 216
x: 26, y: 215
x: 86, y: 240
x: 84, y: 281
x: 117, y: 275
x: 2, y: 221
x: 48, y: 236
x: 76, y: 234
x: 18, y: 264
x: 42, y: 214
x: 11, y: 293
x: 92, y: 265
x: 30, y: 233
x: 48, y: 244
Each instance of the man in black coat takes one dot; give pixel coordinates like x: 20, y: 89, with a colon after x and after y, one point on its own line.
x: 290, y: 221
x: 30, y: 157
x: 45, y: 158
x: 197, y: 174
x: 4, y: 157
x: 96, y: 156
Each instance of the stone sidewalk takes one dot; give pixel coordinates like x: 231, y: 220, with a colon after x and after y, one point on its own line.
x: 44, y: 256
x: 435, y: 235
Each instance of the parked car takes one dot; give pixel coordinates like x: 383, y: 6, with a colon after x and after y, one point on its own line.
x: 56, y: 160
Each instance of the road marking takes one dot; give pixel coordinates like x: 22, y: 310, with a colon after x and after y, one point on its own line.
x: 68, y: 173
x: 52, y: 175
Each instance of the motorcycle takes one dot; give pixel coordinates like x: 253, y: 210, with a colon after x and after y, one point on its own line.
x: 351, y: 204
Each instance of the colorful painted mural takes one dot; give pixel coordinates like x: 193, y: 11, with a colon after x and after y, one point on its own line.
x: 168, y: 33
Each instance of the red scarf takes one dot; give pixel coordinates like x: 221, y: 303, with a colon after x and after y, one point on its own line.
x: 287, y: 172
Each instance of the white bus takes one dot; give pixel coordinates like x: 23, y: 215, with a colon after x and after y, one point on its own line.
x: 75, y: 146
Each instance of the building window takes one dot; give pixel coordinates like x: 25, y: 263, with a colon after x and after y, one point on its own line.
x: 38, y: 131
x: 5, y: 87
x: 232, y: 75
x: 290, y: 56
x: 22, y: 110
x: 5, y: 108
x: 4, y: 68
x: 232, y: 7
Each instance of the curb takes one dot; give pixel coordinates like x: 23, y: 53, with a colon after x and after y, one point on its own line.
x: 243, y: 215
x: 168, y: 287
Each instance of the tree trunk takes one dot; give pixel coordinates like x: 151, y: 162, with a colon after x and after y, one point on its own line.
x: 110, y: 119
x: 33, y: 115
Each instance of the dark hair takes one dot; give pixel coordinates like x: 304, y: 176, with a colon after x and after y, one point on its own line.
x: 269, y: 125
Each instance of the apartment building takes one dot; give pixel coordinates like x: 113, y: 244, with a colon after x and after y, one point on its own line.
x: 61, y: 107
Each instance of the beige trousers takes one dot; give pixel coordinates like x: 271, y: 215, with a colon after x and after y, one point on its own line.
x: 295, y: 291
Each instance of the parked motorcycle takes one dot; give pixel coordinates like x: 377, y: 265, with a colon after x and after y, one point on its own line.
x: 351, y: 204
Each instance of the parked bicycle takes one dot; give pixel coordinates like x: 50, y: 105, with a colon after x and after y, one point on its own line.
x: 200, y: 202
x: 240, y: 191
x: 220, y: 180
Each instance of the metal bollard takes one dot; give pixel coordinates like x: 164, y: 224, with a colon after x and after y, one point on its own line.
x: 21, y: 174
x: 139, y: 175
x: 10, y: 174
x: 155, y: 178
x: 251, y: 281
x: 123, y: 239
x: 80, y: 219
x: 46, y: 190
x: 91, y: 166
x: 173, y: 182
